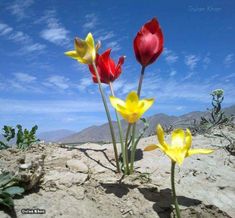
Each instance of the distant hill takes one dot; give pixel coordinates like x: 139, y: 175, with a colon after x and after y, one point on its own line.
x: 56, y: 135
x: 102, y: 133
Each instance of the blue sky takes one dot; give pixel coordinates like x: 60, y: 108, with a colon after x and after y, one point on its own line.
x: 40, y: 85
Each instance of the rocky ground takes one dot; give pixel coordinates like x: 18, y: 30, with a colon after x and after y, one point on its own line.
x: 79, y: 181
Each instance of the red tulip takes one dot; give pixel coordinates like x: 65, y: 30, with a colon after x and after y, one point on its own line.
x: 107, y: 69
x: 148, y: 43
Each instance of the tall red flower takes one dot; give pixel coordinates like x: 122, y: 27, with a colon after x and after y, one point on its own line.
x: 148, y: 43
x: 107, y: 69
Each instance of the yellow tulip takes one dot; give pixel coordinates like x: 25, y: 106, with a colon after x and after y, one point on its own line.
x: 132, y: 109
x: 180, y: 147
x: 85, y: 50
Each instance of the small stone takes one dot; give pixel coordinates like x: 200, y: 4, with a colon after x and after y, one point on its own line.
x: 77, y: 165
x: 25, y: 166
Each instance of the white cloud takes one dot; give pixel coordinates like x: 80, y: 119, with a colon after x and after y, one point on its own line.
x: 60, y: 82
x: 49, y: 106
x: 55, y: 32
x: 5, y: 29
x: 34, y: 47
x: 170, y: 56
x: 191, y: 61
x: 20, y: 37
x: 176, y: 89
x: 228, y: 60
x: 85, y: 83
x: 80, y: 68
x: 206, y: 61
x: 19, y: 7
x: 190, y: 74
x: 173, y: 72
x: 230, y: 76
x: 27, y: 43
x: 128, y: 87
x: 103, y: 35
x: 24, y: 77
x: 118, y: 85
x: 114, y: 45
x: 21, y: 82
x: 90, y: 23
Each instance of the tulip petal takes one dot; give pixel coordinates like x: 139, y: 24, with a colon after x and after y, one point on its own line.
x: 90, y: 40
x: 160, y: 136
x: 130, y: 118
x: 178, y: 157
x: 118, y: 68
x: 136, y: 48
x: 106, y: 54
x: 152, y: 26
x: 80, y: 46
x: 188, y: 139
x: 199, y: 151
x: 132, y: 96
x: 145, y: 104
x: 91, y: 52
x: 120, y: 61
x: 176, y: 154
x: 151, y: 147
x: 132, y: 101
x: 72, y: 54
x: 116, y: 102
x: 177, y: 138
x: 98, y: 45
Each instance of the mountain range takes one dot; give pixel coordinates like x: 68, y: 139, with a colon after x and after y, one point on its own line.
x: 53, y: 136
x: 102, y: 133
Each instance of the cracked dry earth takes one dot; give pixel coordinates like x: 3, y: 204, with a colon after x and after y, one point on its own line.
x: 79, y: 181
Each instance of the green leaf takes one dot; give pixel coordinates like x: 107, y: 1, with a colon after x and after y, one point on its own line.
x: 5, y: 199
x: 14, y: 190
x: 9, y: 132
x: 5, y: 178
x: 3, y: 145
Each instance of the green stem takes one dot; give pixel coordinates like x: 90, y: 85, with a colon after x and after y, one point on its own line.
x: 126, y: 143
x: 108, y: 116
x: 133, y: 149
x: 141, y: 80
x: 133, y: 146
x: 173, y: 189
x: 124, y: 154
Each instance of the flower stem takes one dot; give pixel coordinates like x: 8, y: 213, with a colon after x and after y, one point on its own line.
x: 133, y: 149
x: 141, y: 80
x: 126, y: 144
x: 133, y: 146
x: 109, y: 118
x: 124, y: 153
x: 173, y: 189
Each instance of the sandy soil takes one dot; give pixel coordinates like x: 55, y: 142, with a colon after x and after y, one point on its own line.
x: 80, y: 182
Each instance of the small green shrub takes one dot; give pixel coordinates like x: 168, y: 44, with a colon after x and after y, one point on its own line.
x: 217, y: 116
x: 24, y: 138
x: 9, y: 133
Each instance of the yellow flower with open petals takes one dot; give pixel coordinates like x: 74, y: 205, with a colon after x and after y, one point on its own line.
x: 180, y: 145
x: 132, y: 109
x: 85, y: 50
